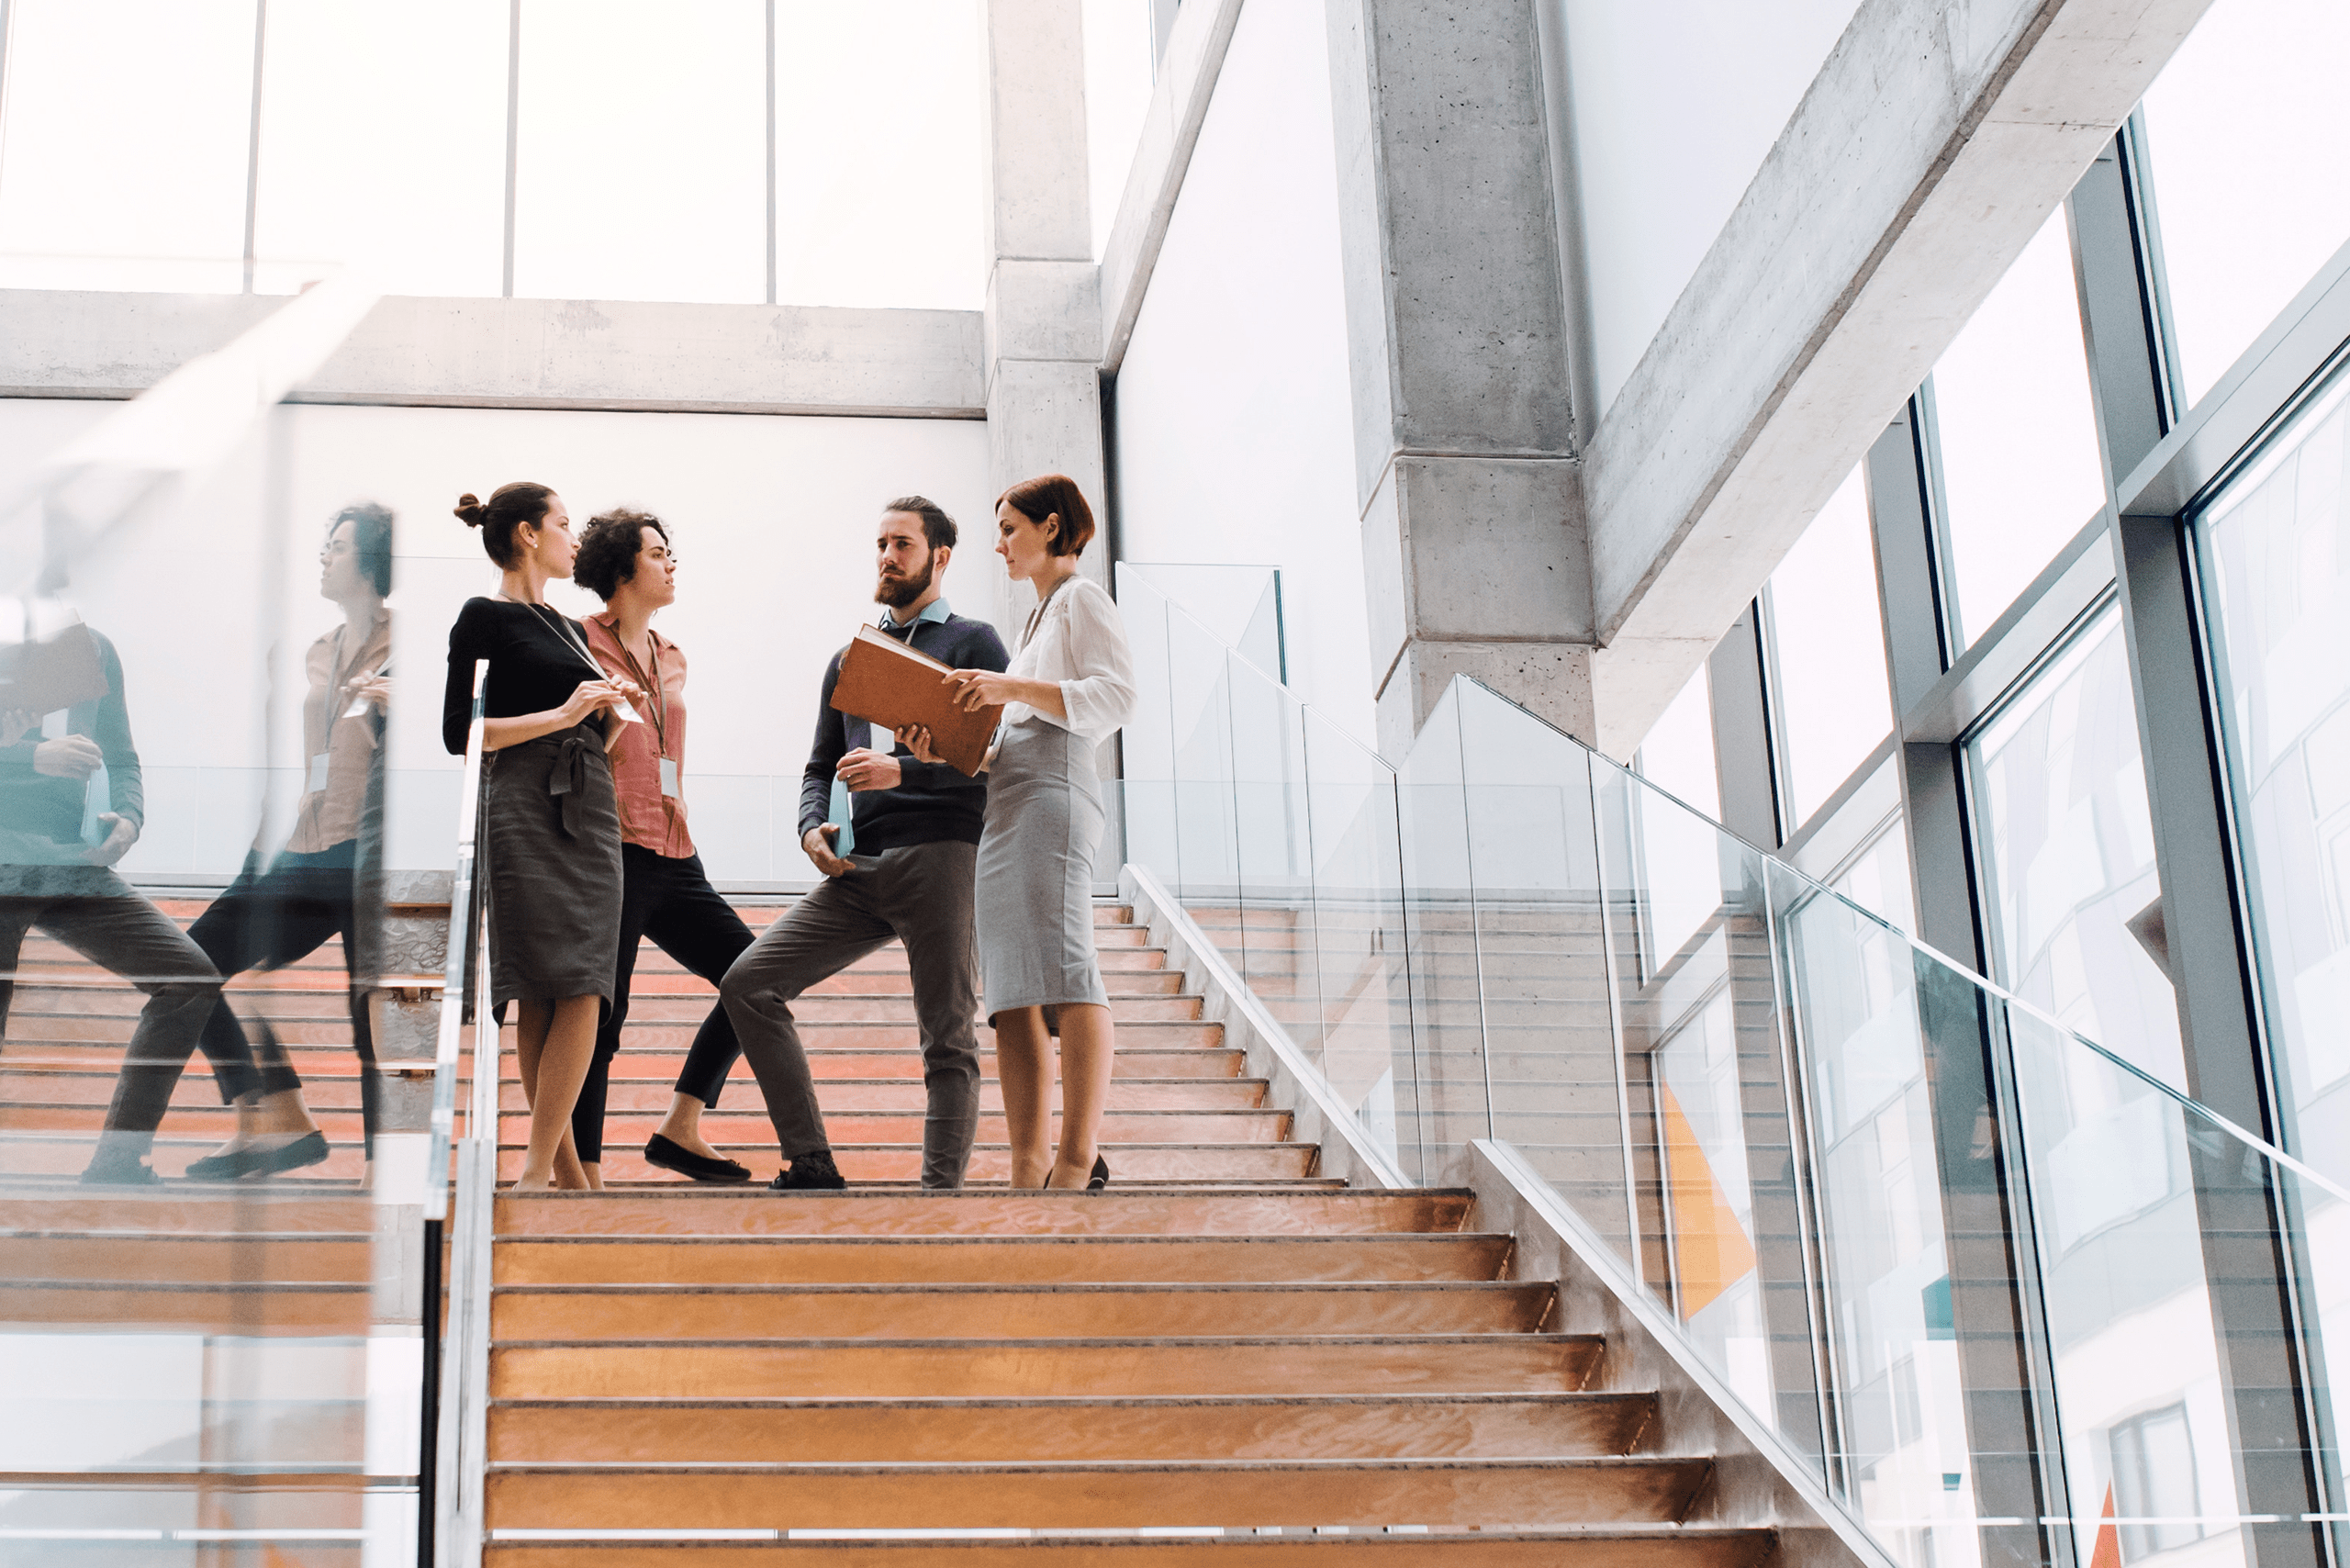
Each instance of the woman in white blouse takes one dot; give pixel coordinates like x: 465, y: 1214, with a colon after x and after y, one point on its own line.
x: 1070, y: 686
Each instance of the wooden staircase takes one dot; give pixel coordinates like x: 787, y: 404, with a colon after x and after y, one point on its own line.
x: 1222, y: 1357
x: 1226, y: 1357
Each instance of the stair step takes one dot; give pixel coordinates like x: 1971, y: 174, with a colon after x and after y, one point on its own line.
x: 921, y: 1369
x: 273, y: 1308
x: 900, y: 1160
x: 729, y: 1122
x: 1098, y: 1494
x: 905, y: 1096
x: 998, y: 1312
x: 967, y: 1432
x: 1655, y: 1546
x: 914, y: 1261
x: 704, y: 1212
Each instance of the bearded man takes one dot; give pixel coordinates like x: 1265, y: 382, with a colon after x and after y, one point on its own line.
x: 908, y: 875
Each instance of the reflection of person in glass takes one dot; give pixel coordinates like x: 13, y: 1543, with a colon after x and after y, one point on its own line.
x: 551, y: 830
x: 625, y: 560
x: 72, y: 799
x: 267, y: 919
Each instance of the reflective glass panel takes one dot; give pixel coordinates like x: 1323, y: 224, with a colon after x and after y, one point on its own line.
x: 640, y: 161
x: 2248, y: 146
x: 2017, y: 436
x: 2076, y: 906
x: 1878, y: 879
x: 128, y: 133
x: 2277, y: 545
x: 1828, y: 649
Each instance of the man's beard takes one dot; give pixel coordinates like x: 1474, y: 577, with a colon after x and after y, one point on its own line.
x: 900, y: 592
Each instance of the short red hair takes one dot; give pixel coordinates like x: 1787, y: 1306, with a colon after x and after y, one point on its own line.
x: 1049, y: 495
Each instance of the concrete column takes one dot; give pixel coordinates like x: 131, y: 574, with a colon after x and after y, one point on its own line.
x: 1042, y: 340
x: 1474, y: 544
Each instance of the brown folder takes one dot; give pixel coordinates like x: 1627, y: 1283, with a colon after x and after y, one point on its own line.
x: 46, y: 674
x: 887, y: 683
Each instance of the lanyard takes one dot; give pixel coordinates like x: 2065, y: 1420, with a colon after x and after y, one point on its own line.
x: 653, y: 685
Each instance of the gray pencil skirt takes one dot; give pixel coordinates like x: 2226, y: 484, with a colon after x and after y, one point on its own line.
x: 551, y: 832
x: 1033, y: 896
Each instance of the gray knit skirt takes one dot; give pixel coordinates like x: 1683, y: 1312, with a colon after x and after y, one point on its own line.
x: 1035, y: 890
x: 551, y: 834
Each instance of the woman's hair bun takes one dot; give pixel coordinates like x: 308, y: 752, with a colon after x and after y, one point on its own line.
x: 470, y: 509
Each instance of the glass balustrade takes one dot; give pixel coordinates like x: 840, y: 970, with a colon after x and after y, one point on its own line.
x: 2005, y: 1296
x: 205, y: 1358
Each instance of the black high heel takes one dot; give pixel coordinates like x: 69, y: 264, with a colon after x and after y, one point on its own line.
x: 1101, y: 1176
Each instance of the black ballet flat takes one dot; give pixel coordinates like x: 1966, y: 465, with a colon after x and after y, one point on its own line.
x: 670, y: 1155
x: 310, y: 1149
x: 1101, y: 1176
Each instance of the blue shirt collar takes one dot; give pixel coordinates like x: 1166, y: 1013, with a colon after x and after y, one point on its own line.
x: 937, y: 610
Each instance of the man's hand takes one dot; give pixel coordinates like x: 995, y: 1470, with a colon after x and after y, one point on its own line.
x: 915, y: 738
x: 122, y: 832
x: 866, y: 769
x: 72, y: 756
x: 817, y: 842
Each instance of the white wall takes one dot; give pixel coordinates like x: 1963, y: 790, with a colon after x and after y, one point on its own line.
x: 1235, y: 439
x: 773, y: 519
x: 1676, y: 103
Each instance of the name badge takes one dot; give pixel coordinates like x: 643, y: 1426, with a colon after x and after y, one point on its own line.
x: 669, y: 778
x: 318, y: 772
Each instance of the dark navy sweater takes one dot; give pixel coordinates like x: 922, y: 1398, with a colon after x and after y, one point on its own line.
x: 933, y: 803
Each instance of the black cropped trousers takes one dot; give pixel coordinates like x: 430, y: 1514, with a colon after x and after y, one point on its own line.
x: 671, y: 901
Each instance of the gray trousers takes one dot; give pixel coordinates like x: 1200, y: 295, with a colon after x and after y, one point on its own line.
x: 920, y: 895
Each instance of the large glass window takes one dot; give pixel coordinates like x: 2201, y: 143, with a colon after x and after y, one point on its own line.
x: 882, y: 144
x: 383, y: 140
x: 1878, y: 878
x: 2017, y: 431
x: 129, y: 132
x: 1828, y: 650
x: 640, y: 161
x: 2075, y: 910
x: 2276, y: 551
x: 2249, y: 148
x: 1677, y: 754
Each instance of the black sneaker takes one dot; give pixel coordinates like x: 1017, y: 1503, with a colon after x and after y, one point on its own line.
x: 813, y: 1173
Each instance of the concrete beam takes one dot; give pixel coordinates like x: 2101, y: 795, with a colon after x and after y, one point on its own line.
x: 1197, y: 41
x: 1932, y: 145
x: 1042, y: 335
x: 1457, y: 337
x: 524, y: 354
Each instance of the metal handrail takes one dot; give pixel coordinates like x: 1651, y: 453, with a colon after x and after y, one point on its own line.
x: 453, y: 983
x: 455, y: 1385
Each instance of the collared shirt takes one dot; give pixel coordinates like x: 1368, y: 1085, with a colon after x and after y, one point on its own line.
x: 338, y: 747
x: 935, y: 611
x: 649, y: 819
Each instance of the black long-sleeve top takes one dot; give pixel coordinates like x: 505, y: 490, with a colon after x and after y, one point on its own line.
x: 933, y: 804
x: 532, y: 666
x: 41, y: 815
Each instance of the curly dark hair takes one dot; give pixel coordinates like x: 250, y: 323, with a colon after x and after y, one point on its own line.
x: 371, y: 540
x: 608, y: 551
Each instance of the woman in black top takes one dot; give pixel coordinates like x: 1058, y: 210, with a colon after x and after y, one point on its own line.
x: 551, y: 832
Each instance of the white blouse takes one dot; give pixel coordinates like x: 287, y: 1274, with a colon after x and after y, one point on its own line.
x: 1079, y: 644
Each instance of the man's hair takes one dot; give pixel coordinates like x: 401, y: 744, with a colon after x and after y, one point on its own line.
x: 608, y: 551
x: 937, y: 526
x: 371, y: 540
